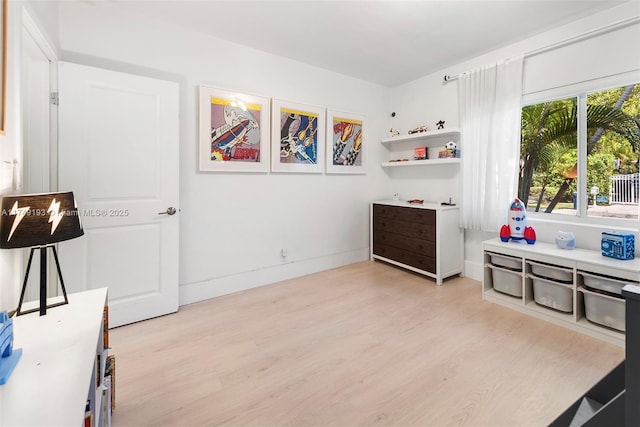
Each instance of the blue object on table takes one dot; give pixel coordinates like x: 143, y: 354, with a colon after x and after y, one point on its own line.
x: 8, y: 356
x: 618, y: 245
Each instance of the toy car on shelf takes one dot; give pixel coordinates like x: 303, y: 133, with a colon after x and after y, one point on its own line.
x: 419, y: 129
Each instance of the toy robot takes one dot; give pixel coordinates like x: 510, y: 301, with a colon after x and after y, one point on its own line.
x: 517, y: 228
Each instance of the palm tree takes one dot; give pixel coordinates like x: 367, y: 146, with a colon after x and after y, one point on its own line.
x: 543, y: 125
x: 603, y: 118
x: 556, y: 123
x: 549, y: 159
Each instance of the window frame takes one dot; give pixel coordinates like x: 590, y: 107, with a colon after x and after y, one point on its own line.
x: 580, y: 92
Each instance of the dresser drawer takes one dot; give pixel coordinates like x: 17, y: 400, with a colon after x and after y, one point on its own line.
x: 405, y: 228
x: 421, y: 246
x: 411, y: 236
x: 412, y: 259
x: 423, y: 216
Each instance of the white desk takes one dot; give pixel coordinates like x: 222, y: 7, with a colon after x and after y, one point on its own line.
x: 55, y: 374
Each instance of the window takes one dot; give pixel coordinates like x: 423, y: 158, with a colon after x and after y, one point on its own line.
x: 579, y: 156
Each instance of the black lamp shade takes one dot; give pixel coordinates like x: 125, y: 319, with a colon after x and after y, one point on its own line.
x: 33, y: 220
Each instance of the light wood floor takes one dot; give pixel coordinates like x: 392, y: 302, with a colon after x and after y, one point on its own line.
x: 365, y: 344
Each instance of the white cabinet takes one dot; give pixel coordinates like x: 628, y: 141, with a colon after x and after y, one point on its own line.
x: 424, y: 238
x: 551, y: 283
x: 62, y: 365
x: 402, y: 148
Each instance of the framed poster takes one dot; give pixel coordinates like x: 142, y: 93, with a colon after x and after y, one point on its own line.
x: 346, y: 143
x: 297, y: 137
x: 234, y: 131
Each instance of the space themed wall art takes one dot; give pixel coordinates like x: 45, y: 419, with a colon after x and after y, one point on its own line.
x: 297, y: 137
x: 346, y: 142
x: 234, y: 131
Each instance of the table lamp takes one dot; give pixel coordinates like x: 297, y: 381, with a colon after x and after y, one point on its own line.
x: 39, y: 221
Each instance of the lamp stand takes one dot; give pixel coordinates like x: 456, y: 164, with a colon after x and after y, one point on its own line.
x: 43, y: 282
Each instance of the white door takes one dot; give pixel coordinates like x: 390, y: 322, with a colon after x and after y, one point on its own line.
x: 118, y: 153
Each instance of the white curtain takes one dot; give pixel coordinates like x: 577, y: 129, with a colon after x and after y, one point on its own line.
x: 490, y: 113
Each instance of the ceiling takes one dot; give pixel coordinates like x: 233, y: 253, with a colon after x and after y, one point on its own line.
x: 385, y: 42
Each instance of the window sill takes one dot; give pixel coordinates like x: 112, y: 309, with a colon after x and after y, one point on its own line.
x: 609, y: 223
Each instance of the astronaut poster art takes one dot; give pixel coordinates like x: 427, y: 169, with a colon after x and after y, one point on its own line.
x: 297, y: 138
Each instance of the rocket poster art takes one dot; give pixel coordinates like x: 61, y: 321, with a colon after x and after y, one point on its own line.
x: 346, y: 146
x: 233, y: 131
x: 347, y: 142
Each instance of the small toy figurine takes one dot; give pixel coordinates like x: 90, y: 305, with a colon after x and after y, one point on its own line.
x: 565, y: 240
x: 451, y: 145
x: 393, y: 133
x: 440, y: 124
x: 517, y: 228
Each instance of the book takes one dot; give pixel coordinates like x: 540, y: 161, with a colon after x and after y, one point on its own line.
x: 106, y: 401
x: 110, y: 371
x: 420, y: 153
x: 88, y: 419
x: 105, y: 327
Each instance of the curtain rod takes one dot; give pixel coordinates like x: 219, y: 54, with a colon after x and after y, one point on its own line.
x: 589, y: 34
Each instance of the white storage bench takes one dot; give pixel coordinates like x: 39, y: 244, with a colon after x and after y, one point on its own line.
x: 578, y: 289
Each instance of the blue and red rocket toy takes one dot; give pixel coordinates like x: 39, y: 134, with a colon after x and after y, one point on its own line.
x: 517, y: 228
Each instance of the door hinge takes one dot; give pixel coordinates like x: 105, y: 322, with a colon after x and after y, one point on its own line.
x: 53, y: 97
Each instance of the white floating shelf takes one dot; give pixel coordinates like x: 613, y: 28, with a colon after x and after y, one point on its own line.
x: 428, y: 162
x: 453, y: 132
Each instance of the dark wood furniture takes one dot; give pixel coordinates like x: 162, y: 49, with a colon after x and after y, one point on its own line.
x: 424, y: 238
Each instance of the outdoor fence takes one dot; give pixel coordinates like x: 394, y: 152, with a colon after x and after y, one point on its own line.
x: 624, y: 189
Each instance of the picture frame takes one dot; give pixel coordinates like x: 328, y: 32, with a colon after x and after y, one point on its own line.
x: 346, y: 143
x: 233, y: 131
x: 3, y: 66
x: 297, y: 137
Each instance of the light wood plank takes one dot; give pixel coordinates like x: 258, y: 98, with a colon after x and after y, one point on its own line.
x: 365, y: 344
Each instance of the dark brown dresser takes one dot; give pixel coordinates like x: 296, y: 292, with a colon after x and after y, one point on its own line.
x: 424, y: 238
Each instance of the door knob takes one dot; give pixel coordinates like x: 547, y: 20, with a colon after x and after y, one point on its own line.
x: 170, y: 211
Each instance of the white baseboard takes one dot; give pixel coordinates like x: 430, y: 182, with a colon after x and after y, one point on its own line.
x: 218, y: 286
x: 474, y: 270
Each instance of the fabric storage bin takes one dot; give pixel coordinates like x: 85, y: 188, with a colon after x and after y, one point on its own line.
x: 506, y: 261
x: 607, y: 284
x: 604, y: 309
x: 552, y: 294
x: 551, y: 272
x: 506, y: 281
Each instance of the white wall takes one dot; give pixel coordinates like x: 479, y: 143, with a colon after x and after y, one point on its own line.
x: 45, y: 14
x: 234, y: 225
x: 11, y: 273
x: 428, y: 99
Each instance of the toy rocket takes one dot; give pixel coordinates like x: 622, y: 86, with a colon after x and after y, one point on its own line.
x: 517, y: 228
